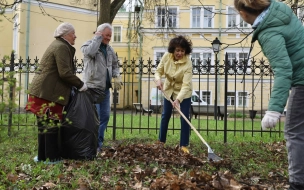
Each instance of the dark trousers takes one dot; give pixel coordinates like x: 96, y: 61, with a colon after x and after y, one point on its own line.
x: 166, y: 115
x: 48, y: 140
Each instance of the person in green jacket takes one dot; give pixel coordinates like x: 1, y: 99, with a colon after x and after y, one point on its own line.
x: 50, y: 90
x: 281, y: 37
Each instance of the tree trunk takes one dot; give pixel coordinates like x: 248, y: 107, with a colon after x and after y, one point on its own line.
x: 108, y: 10
x: 104, y: 11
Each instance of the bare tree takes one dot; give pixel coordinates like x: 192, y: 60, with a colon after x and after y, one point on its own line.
x: 4, y: 4
x: 107, y: 9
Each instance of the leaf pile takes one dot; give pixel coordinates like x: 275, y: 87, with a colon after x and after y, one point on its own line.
x: 198, y: 172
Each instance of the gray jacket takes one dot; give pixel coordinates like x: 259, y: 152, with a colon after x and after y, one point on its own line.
x: 96, y: 65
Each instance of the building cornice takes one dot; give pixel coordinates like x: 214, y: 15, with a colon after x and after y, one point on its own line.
x: 196, y: 30
x: 56, y: 6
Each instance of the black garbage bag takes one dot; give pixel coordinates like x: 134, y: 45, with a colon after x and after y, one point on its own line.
x: 98, y: 95
x: 79, y: 128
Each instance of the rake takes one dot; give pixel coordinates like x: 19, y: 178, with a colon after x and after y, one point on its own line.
x: 211, y: 155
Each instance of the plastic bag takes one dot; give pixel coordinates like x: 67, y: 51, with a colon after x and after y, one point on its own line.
x: 98, y: 95
x: 79, y: 128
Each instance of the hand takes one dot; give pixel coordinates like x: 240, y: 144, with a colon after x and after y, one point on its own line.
x: 98, y: 33
x: 83, y: 88
x: 176, y: 103
x: 270, y: 119
x: 117, y: 83
x: 159, y: 84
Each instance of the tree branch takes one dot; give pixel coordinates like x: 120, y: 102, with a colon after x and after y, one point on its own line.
x: 5, y: 5
x: 115, y: 6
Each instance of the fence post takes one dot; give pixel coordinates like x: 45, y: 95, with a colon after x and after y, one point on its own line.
x: 225, y: 97
x: 114, y: 114
x: 11, y: 98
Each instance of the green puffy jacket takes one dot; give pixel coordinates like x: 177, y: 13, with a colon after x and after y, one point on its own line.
x: 281, y: 37
x: 55, y: 76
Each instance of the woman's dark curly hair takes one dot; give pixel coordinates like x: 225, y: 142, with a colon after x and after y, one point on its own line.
x: 180, y: 41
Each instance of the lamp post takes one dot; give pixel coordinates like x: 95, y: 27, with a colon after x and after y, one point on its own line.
x: 216, y: 44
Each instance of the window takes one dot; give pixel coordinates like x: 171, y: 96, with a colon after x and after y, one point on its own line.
x: 166, y: 17
x: 301, y: 14
x: 243, y: 57
x: 206, y: 96
x: 240, y: 57
x: 231, y: 17
x: 206, y: 56
x: 242, y: 98
x: 202, y: 17
x: 159, y: 55
x: 207, y: 17
x: 117, y: 33
x: 206, y: 67
x: 235, y: 20
x: 231, y: 59
x: 243, y: 24
x: 195, y: 61
x: 196, y: 17
x: 230, y: 98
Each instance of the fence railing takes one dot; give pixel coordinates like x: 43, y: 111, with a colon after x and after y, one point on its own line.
x: 239, y: 89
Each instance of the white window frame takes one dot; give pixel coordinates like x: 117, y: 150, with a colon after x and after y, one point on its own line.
x: 199, y: 17
x: 238, y: 19
x: 120, y: 33
x: 300, y: 15
x: 212, y: 16
x: 158, y: 50
x: 202, y: 16
x: 195, y: 60
x: 203, y: 59
x: 157, y: 53
x: 244, y: 98
x: 166, y: 16
x: 233, y: 97
x: 205, y: 97
x: 237, y: 53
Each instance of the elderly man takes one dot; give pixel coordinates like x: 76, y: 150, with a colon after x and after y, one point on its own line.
x: 100, y: 65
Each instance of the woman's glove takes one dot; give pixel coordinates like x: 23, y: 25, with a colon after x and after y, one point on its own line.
x: 117, y: 83
x: 270, y: 119
x: 83, y: 88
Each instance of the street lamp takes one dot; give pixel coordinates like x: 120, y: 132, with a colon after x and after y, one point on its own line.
x: 216, y: 45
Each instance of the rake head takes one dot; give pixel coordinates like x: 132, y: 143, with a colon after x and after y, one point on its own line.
x: 214, y: 157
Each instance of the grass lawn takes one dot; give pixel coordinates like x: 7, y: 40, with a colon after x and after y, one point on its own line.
x: 257, y: 158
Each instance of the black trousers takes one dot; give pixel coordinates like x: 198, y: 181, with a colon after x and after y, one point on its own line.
x: 48, y: 140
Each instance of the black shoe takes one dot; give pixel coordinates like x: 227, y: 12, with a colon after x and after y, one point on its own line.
x: 295, y: 186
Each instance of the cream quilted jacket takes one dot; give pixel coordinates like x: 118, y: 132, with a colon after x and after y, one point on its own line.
x: 178, y: 76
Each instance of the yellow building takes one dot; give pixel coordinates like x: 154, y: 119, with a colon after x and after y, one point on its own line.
x: 145, y: 34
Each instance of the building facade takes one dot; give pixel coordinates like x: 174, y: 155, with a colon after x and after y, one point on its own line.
x: 142, y: 32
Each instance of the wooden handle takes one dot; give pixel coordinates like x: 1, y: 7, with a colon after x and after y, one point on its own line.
x: 186, y: 119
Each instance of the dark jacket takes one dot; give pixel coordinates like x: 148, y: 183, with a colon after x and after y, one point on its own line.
x: 55, y: 75
x: 281, y: 37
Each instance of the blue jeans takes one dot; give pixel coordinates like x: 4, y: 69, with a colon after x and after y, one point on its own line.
x: 166, y: 115
x: 103, y: 110
x: 294, y: 135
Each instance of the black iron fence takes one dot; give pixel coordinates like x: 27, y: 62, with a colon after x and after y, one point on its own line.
x: 229, y: 98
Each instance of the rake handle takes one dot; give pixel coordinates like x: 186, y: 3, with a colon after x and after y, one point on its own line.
x: 186, y: 119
